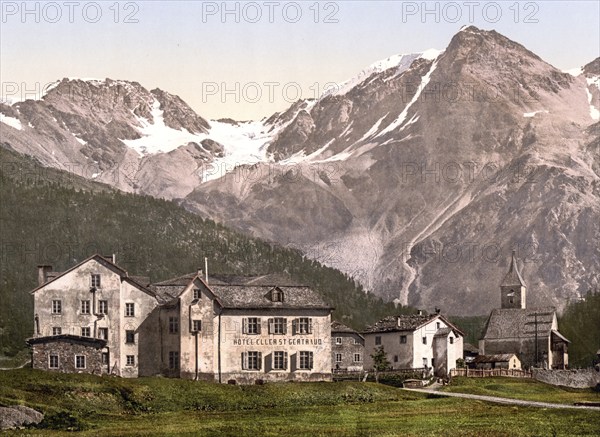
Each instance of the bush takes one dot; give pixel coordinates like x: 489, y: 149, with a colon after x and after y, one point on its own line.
x: 64, y: 421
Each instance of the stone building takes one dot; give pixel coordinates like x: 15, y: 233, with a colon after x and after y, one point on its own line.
x: 68, y: 354
x: 95, y: 299
x: 530, y: 333
x: 244, y: 329
x: 235, y: 329
x: 347, y: 348
x: 428, y: 342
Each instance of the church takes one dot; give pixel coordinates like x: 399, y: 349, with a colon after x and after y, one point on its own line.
x: 530, y: 333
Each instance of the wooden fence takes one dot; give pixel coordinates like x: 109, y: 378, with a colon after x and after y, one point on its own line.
x: 484, y: 373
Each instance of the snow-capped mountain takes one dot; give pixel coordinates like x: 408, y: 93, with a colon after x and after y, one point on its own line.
x: 418, y: 176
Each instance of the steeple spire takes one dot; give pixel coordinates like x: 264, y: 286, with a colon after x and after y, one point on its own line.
x: 513, y: 277
x: 513, y: 291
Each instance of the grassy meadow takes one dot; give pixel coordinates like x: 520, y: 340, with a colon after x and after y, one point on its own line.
x: 109, y: 406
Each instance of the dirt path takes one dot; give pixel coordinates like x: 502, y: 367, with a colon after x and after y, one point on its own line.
x: 503, y: 400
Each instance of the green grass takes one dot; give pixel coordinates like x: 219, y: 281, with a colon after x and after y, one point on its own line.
x: 520, y: 388
x: 111, y: 406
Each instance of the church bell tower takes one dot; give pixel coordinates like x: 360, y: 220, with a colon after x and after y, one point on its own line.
x: 513, y: 291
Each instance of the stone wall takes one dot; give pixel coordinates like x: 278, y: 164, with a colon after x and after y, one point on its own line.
x: 580, y: 378
x: 66, y: 350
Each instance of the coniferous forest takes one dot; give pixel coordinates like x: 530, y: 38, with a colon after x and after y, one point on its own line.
x: 52, y: 217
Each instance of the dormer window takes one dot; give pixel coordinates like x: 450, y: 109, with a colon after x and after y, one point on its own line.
x: 277, y: 295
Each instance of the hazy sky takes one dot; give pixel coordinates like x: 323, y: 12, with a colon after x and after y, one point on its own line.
x: 246, y: 60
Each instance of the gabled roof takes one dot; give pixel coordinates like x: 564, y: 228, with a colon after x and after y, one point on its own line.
x: 519, y: 323
x: 468, y: 347
x: 341, y: 328
x: 53, y: 276
x: 560, y: 336
x: 245, y: 292
x: 259, y: 297
x: 409, y: 323
x: 498, y: 358
x: 513, y: 277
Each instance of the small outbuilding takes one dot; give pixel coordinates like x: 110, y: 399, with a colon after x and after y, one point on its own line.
x: 499, y: 361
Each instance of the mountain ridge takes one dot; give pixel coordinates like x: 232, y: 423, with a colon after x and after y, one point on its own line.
x: 380, y: 179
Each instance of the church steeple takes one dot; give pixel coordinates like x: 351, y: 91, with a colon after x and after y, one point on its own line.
x: 513, y: 290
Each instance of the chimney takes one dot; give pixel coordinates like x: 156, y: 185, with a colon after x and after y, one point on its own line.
x: 114, y: 258
x: 206, y: 269
x: 43, y: 271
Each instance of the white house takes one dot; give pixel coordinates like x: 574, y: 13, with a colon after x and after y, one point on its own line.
x: 416, y: 342
x: 96, y: 318
x: 95, y: 299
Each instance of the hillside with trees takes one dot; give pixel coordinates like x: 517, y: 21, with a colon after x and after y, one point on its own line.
x: 580, y: 323
x: 52, y: 217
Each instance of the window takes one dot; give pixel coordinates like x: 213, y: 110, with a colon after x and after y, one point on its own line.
x: 280, y: 360
x: 424, y: 340
x: 85, y: 331
x: 53, y: 362
x: 338, y: 340
x: 303, y: 325
x: 56, y: 307
x: 129, y: 310
x: 173, y: 325
x: 338, y: 358
x: 197, y: 294
x: 102, y: 307
x: 251, y: 325
x: 395, y: 358
x: 511, y: 300
x: 306, y: 360
x: 129, y: 337
x: 95, y: 281
x: 173, y: 360
x: 357, y: 358
x: 85, y: 307
x: 277, y: 295
x: 433, y: 362
x: 251, y: 360
x: 424, y: 362
x: 130, y: 360
x: 103, y: 333
x: 451, y: 340
x: 437, y: 325
x: 105, y: 358
x: 80, y: 361
x: 196, y: 325
x: 57, y: 330
x: 278, y: 325
x: 377, y: 340
x: 403, y: 339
